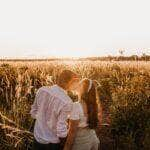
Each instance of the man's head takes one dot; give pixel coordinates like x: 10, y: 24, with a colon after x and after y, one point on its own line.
x: 68, y: 80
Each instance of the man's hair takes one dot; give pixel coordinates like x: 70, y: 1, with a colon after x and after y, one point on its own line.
x: 65, y: 77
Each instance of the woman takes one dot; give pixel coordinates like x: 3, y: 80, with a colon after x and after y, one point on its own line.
x: 84, y: 119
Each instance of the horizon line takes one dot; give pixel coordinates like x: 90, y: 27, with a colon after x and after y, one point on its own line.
x: 67, y: 57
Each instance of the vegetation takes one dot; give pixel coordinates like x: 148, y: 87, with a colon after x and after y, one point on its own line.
x: 124, y: 92
x: 120, y: 57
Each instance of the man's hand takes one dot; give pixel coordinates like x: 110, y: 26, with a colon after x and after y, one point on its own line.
x: 62, y: 142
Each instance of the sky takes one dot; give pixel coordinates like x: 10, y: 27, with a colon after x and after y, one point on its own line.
x: 79, y: 28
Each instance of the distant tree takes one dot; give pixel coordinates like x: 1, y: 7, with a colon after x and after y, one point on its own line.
x: 121, y: 52
x: 145, y: 57
x: 134, y: 57
x: 109, y: 57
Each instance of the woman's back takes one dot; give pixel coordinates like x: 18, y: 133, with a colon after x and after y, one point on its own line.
x: 85, y: 137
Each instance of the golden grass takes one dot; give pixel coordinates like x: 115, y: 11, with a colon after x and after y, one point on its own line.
x: 120, y: 81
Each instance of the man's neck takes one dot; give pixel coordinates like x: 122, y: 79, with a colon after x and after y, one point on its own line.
x: 62, y: 87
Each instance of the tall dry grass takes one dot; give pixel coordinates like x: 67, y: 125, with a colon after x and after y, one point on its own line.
x: 124, y: 94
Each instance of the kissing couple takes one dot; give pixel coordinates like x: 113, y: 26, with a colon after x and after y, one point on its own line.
x: 62, y: 124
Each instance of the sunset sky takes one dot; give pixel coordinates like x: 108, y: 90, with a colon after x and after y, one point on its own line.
x: 80, y: 28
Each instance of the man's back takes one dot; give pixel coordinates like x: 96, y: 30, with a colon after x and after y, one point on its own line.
x: 50, y: 109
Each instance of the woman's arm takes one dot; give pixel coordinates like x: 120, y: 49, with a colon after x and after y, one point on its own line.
x: 73, y: 125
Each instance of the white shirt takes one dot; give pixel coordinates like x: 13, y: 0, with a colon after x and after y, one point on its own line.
x: 77, y: 113
x: 50, y: 109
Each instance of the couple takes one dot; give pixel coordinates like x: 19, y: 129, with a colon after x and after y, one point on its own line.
x: 62, y: 124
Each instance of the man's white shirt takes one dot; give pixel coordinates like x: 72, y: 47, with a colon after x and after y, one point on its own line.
x: 51, y: 110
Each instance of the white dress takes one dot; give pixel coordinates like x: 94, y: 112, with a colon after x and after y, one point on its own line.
x: 86, y: 138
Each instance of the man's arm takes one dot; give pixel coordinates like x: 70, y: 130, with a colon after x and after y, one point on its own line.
x: 62, y: 125
x: 62, y: 121
x: 73, y: 125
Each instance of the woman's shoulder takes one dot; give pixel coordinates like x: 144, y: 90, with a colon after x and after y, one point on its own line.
x: 77, y: 106
x: 75, y: 112
x: 76, y: 103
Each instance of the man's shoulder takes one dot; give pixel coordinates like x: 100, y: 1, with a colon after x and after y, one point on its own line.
x: 43, y: 88
x: 61, y: 94
x: 57, y: 92
x: 64, y: 97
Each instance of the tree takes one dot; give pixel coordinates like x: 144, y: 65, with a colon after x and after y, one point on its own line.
x: 121, y: 52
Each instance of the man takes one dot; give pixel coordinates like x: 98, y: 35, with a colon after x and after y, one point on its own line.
x: 51, y: 108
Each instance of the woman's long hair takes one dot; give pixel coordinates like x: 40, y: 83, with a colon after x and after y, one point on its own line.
x: 90, y: 99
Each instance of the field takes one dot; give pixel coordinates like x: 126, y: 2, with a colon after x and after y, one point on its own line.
x: 124, y: 94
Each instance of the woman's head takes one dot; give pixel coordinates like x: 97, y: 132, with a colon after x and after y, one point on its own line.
x: 87, y: 94
x: 68, y: 80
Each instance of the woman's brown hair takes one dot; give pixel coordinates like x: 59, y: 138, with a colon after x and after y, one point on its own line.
x: 90, y: 99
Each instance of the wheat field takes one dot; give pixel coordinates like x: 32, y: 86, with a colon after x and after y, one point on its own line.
x: 124, y: 95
